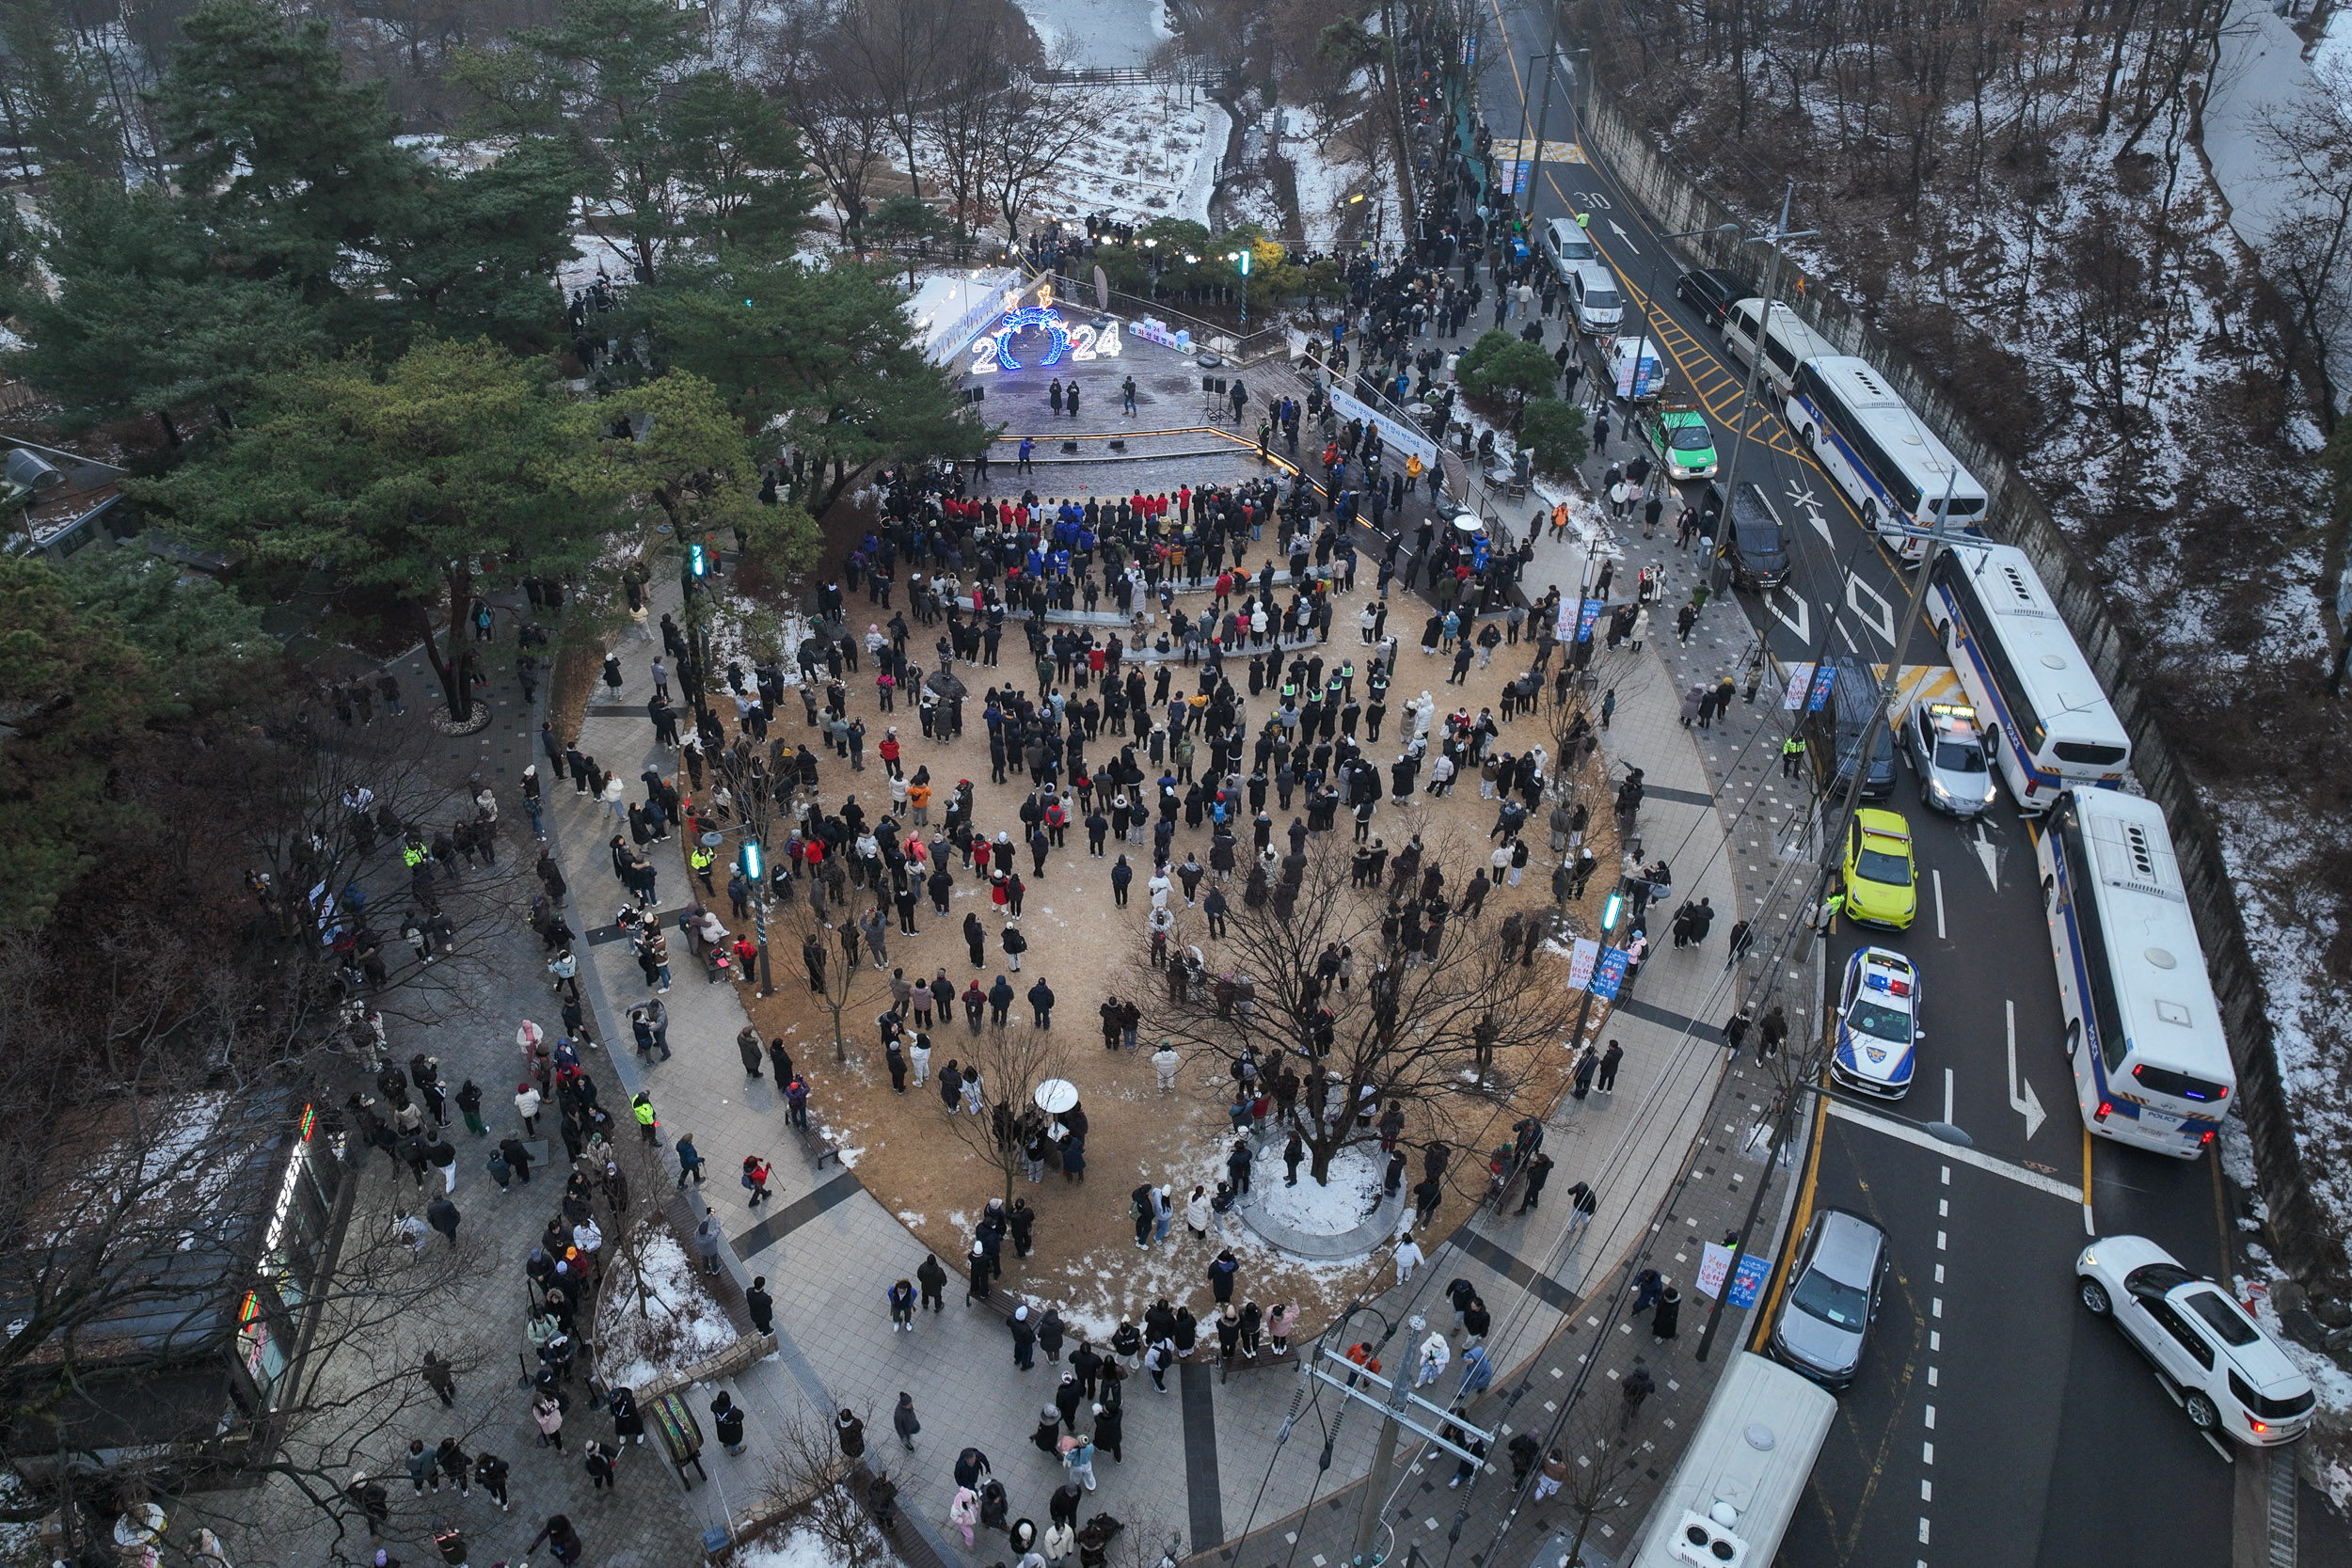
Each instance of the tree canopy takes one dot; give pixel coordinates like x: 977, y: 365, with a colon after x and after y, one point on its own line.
x: 420, y: 480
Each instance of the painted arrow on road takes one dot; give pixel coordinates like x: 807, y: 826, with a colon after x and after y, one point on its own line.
x: 2025, y: 1103
x: 1801, y: 624
x: 1987, y: 858
x: 1623, y: 238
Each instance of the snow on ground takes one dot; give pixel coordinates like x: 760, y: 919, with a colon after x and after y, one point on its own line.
x: 1314, y: 1209
x: 1100, y: 32
x: 1152, y: 155
x: 1095, y: 1295
x: 791, y: 1544
x: 679, y: 1324
x: 1326, y: 176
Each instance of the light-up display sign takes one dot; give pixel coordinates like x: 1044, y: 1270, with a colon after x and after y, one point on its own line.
x: 993, y: 351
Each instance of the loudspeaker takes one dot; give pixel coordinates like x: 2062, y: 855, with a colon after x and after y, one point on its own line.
x: 1119, y: 446
x: 1209, y: 386
x: 1069, y: 447
x: 1219, y: 388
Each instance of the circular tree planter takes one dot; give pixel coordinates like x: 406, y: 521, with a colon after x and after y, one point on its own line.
x: 1345, y: 1218
x: 474, y: 723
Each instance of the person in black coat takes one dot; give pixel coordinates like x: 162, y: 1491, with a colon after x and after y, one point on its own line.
x: 727, y: 1416
x: 971, y: 1464
x: 1108, y: 1419
x: 629, y: 1425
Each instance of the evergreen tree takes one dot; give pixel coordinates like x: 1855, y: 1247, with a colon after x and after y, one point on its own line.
x: 829, y: 351
x: 54, y: 94
x: 291, y: 166
x: 427, y: 482
x: 76, y: 691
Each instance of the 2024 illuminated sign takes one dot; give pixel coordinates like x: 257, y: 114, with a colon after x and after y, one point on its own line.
x: 995, y: 351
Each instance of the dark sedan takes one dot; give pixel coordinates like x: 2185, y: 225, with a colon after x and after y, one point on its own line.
x: 1714, y: 291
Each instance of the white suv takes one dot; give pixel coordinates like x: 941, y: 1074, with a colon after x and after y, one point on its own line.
x: 2210, y: 1356
x: 1594, y: 297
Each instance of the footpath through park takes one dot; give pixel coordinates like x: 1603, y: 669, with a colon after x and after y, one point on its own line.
x: 1222, y: 1463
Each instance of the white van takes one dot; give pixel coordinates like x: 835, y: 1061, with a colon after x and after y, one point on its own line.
x: 1595, y: 301
x: 1566, y: 243
x: 1788, y: 341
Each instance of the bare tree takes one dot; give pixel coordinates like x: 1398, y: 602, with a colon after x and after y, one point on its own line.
x: 1605, y: 1459
x: 2309, y: 257
x: 841, y: 981
x: 959, y: 113
x: 812, y: 1479
x: 1031, y: 128
x: 842, y: 114
x: 1013, y: 1060
x: 1442, y: 1002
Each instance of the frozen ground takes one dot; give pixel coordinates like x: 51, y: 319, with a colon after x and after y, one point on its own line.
x: 679, y: 1326
x: 795, y: 1546
x: 1312, y: 1209
x: 1100, y: 32
x: 1152, y: 155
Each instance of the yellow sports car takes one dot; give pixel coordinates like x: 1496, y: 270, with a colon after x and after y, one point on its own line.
x: 1882, y: 884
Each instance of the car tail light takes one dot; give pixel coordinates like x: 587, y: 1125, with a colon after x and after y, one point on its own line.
x: 2105, y: 1106
x: 2259, y: 1426
x: 2205, y: 1137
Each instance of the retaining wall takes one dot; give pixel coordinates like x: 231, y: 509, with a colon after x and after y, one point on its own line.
x: 2307, y: 1241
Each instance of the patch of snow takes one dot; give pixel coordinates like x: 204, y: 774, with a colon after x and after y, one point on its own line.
x: 1312, y: 1207
x: 679, y: 1326
x: 795, y: 1546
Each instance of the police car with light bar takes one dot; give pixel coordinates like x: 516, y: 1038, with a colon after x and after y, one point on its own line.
x: 1878, y: 1024
x: 1943, y: 745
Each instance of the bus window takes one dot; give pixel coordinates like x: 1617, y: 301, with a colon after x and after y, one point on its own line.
x: 2087, y: 754
x: 2159, y: 1080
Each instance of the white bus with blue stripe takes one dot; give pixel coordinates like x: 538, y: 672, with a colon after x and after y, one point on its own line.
x: 2143, y: 1032
x: 1880, y: 453
x: 2046, y: 719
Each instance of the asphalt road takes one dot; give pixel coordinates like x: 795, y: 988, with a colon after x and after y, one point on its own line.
x: 1995, y: 1420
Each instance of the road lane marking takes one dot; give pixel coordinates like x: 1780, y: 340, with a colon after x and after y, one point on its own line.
x: 1844, y: 633
x: 1938, y: 878
x: 1903, y: 1131
x: 2022, y: 1099
x: 1931, y: 1418
x: 1927, y: 1453
x: 1947, y: 1098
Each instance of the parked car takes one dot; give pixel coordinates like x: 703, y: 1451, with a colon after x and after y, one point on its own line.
x: 1680, y: 437
x: 2214, y: 1359
x: 1566, y: 243
x: 1712, y: 290
x: 1595, y: 303
x: 1878, y: 1024
x: 1753, y: 545
x: 1833, y: 1298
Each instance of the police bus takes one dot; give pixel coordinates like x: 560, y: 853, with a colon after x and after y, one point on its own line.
x: 1731, y: 1498
x: 2046, y: 721
x: 2151, y: 1067
x: 1880, y: 453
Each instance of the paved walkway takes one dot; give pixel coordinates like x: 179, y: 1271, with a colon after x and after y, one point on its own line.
x: 1216, y: 1463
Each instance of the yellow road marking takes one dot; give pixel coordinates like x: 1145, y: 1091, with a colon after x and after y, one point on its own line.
x: 1803, y: 1217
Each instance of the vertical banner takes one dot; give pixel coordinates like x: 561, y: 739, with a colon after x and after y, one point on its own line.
x: 1581, y: 962
x: 1609, y: 974
x: 1800, y: 682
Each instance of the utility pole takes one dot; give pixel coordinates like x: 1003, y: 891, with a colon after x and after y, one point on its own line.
x: 1543, y: 117
x: 1831, y: 843
x: 1396, y: 1405
x: 1777, y: 236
